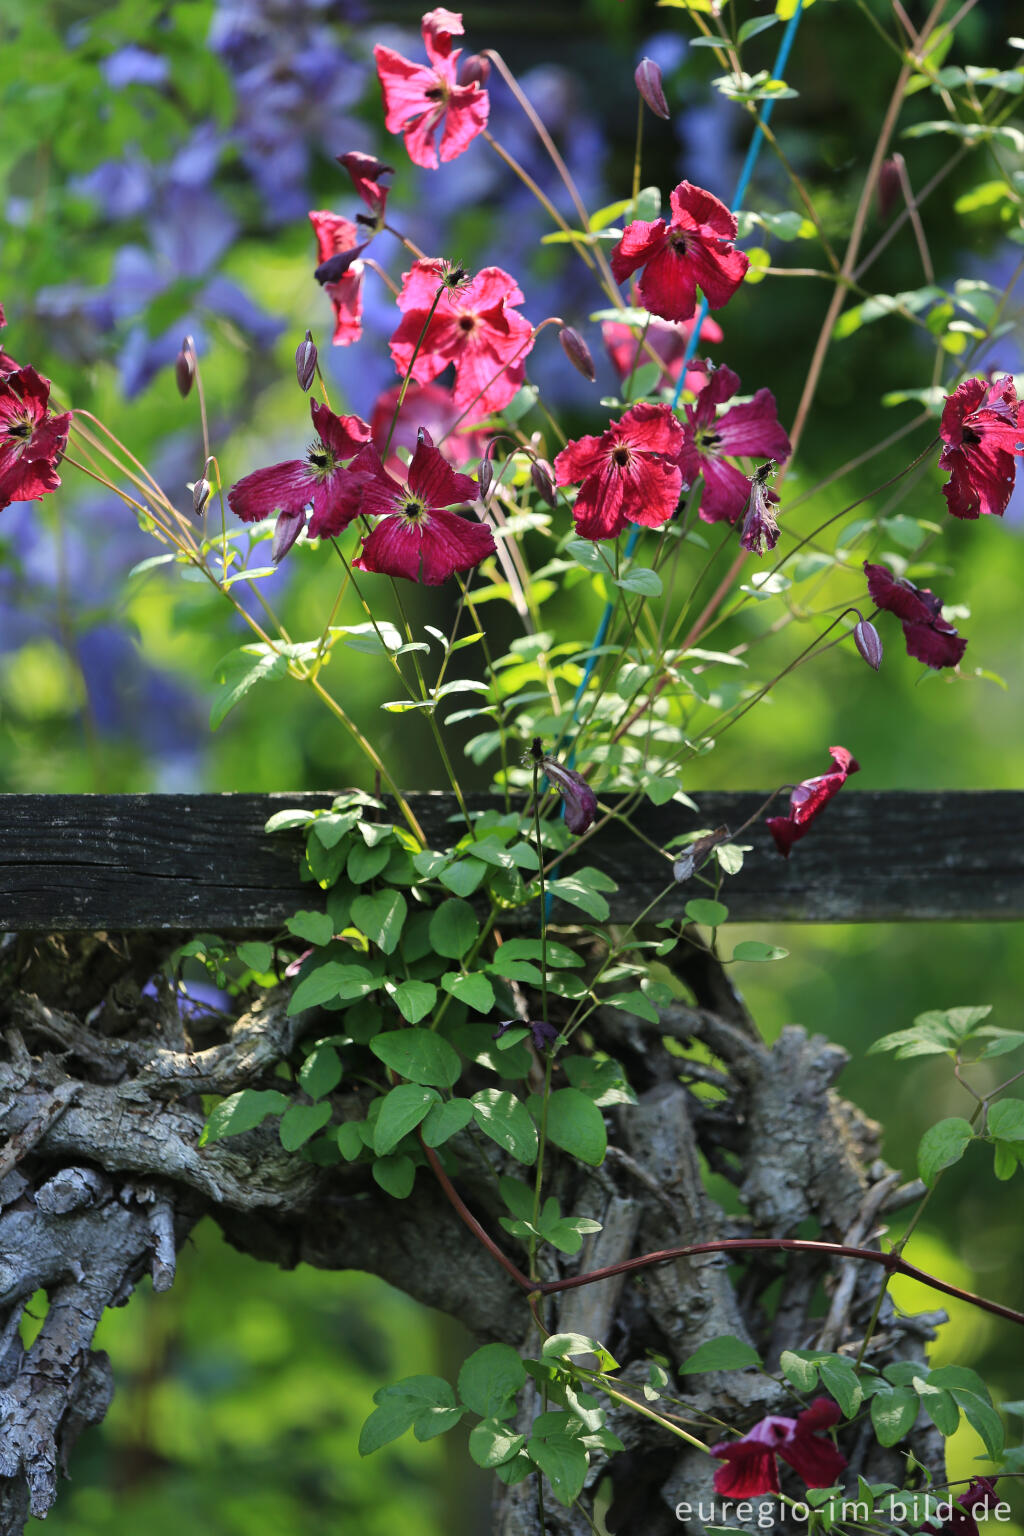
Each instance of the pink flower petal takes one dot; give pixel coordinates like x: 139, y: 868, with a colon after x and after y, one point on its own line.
x: 284, y: 487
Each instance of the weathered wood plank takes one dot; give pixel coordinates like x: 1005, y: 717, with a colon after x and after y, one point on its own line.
x: 138, y: 862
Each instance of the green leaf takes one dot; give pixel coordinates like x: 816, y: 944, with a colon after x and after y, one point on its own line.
x: 242, y: 1111
x: 320, y: 1073
x: 491, y: 1444
x: 445, y: 1120
x: 350, y: 1139
x: 941, y: 1408
x: 490, y: 1379
x: 725, y: 1353
x: 239, y: 672
x: 562, y: 1346
x: 474, y: 990
x: 395, y: 1174
x: 429, y: 864
x: 802, y: 1373
x: 400, y: 1112
x: 1006, y: 1120
x: 260, y: 957
x: 841, y: 1380
x: 414, y: 1401
x: 941, y: 1146
x: 419, y: 1055
x: 563, y: 1460
x: 465, y: 876
x: 754, y: 26
x: 506, y: 1120
x: 415, y: 999
x: 647, y: 583
x: 284, y: 821
x: 381, y: 918
x: 329, y: 982
x: 710, y: 913
x: 454, y: 928
x: 301, y: 1121
x: 756, y: 950
x: 578, y: 893
x: 577, y: 1126
x: 982, y: 1417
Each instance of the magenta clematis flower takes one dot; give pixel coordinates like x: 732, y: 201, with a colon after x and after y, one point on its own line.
x: 32, y: 438
x: 627, y: 475
x: 809, y: 799
x: 321, y: 478
x: 668, y: 340
x: 695, y: 250
x: 336, y: 237
x: 419, y: 98
x: 417, y: 537
x: 928, y: 635
x: 982, y: 428
x: 474, y: 326
x: 743, y: 431
x: 366, y: 172
x: 425, y: 405
x: 750, y: 1465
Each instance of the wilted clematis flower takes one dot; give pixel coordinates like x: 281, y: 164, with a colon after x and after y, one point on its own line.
x: 342, y: 281
x: 751, y: 1468
x: 474, y: 327
x: 982, y: 428
x: 32, y: 438
x: 759, y: 530
x: 809, y: 799
x: 417, y: 537
x: 930, y: 638
x: 578, y: 798
x: 695, y: 250
x: 419, y: 98
x: 366, y: 172
x: 544, y: 1034
x: 627, y: 475
x: 667, y: 339
x: 694, y: 854
x: 743, y: 431
x: 321, y: 478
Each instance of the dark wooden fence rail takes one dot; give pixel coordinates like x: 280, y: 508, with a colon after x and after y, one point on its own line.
x: 143, y: 862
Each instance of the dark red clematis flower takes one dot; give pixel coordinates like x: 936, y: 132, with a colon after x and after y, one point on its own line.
x: 976, y: 1498
x: 695, y: 250
x: 808, y: 800
x: 321, y: 478
x: 474, y: 326
x: 425, y: 405
x: 419, y: 98
x: 928, y: 635
x: 417, y: 537
x: 982, y: 428
x: 32, y: 438
x: 627, y: 475
x: 750, y: 1465
x: 667, y: 339
x: 366, y: 172
x: 336, y: 236
x: 743, y: 431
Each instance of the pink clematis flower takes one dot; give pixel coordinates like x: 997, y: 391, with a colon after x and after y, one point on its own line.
x: 668, y: 340
x: 336, y: 237
x: 321, y: 478
x: 417, y: 536
x: 474, y: 326
x: 750, y: 1465
x: 930, y: 638
x: 807, y: 801
x: 419, y: 98
x: 366, y: 173
x: 695, y: 250
x: 982, y: 428
x: 32, y: 438
x: 425, y: 405
x: 743, y: 431
x: 627, y: 475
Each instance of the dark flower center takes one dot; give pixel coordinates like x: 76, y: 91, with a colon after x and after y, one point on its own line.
x: 321, y: 460
x: 435, y: 93
x: 621, y: 455
x: 706, y: 440
x: 678, y: 241
x: 467, y: 323
x: 969, y: 437
x: 413, y: 509
x: 20, y: 427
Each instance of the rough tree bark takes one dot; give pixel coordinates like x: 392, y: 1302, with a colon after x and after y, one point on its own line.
x: 102, y: 1178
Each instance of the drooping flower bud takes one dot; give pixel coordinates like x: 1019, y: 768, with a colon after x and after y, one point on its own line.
x: 286, y: 530
x: 889, y: 188
x: 543, y: 482
x: 648, y: 83
x: 869, y: 642
x: 578, y: 798
x: 485, y: 474
x: 577, y: 351
x: 475, y: 68
x: 201, y: 491
x: 305, y: 362
x: 185, y: 367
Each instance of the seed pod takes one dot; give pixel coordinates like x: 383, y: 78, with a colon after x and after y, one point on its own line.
x: 185, y: 367
x: 648, y: 83
x: 305, y: 362
x: 869, y: 642
x: 577, y: 351
x: 543, y: 484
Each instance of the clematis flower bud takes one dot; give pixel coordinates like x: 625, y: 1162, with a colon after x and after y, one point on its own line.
x: 543, y: 484
x: 484, y: 475
x: 286, y: 530
x: 648, y: 83
x: 578, y: 798
x: 305, y: 362
x: 475, y: 69
x: 201, y: 491
x: 185, y: 367
x: 888, y: 188
x: 869, y: 642
x: 577, y: 351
